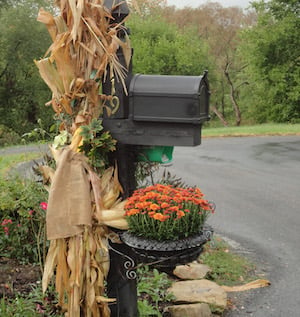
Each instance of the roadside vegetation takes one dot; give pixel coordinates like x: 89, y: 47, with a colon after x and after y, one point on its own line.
x: 252, y: 130
x: 8, y: 161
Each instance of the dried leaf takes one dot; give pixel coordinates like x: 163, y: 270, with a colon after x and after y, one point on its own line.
x: 62, y: 272
x: 119, y: 224
x: 112, y: 214
x: 47, y: 18
x: 51, y: 76
x: 105, y: 299
x: 51, y: 261
x: 255, y: 284
x: 47, y: 173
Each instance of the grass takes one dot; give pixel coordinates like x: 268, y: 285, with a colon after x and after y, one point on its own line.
x: 33, y: 304
x: 227, y: 267
x: 253, y: 130
x: 8, y: 161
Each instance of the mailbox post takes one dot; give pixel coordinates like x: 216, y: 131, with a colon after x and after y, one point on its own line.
x: 119, y: 284
x: 158, y: 111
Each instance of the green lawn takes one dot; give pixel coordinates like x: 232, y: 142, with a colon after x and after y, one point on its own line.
x: 7, y: 161
x: 262, y: 129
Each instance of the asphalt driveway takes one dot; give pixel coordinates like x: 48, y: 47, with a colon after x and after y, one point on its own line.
x: 255, y: 183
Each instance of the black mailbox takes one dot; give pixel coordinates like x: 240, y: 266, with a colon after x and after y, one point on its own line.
x: 163, y: 110
x: 178, y: 99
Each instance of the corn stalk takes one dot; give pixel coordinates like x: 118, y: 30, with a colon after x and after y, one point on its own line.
x: 84, y: 46
x: 85, y: 42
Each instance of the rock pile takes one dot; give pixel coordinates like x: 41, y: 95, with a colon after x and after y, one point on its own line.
x: 195, y: 296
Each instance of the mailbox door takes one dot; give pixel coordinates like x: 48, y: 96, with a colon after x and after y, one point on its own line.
x: 158, y: 98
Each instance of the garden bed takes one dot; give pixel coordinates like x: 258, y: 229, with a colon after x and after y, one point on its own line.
x: 16, y: 278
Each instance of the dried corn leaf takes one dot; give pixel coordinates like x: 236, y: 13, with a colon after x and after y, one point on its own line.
x: 105, y: 299
x: 51, y: 261
x: 254, y: 284
x: 62, y: 272
x: 121, y: 224
x: 47, y: 173
x: 51, y: 76
x: 60, y: 24
x: 126, y: 49
x: 63, y: 62
x: 47, y: 18
x: 76, y: 8
x: 112, y: 214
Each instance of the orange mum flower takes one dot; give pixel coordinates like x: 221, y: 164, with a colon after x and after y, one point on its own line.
x: 132, y: 212
x: 158, y: 216
x: 180, y: 214
x: 165, y: 205
x: 154, y: 207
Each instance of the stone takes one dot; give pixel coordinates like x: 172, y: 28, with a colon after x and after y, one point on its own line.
x: 191, y: 271
x: 190, y: 310
x: 199, y: 291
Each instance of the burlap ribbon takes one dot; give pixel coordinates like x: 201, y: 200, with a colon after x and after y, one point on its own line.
x: 69, y: 204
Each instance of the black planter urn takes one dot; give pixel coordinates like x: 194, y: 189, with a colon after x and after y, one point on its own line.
x: 166, y: 255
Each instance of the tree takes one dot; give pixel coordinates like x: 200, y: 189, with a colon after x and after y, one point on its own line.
x: 219, y: 27
x: 272, y: 51
x: 159, y: 48
x: 22, y: 92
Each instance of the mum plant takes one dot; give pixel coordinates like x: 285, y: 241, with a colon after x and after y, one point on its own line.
x: 165, y: 212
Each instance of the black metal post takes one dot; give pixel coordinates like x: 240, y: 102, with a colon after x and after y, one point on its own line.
x: 122, y: 284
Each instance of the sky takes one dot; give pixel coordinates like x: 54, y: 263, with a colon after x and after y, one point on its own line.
x: 196, y: 3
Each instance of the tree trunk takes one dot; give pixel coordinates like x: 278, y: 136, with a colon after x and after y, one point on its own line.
x: 232, y: 97
x: 220, y: 116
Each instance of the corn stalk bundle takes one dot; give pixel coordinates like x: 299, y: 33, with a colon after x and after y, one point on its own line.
x: 85, y: 42
x: 81, y: 261
x: 81, y: 203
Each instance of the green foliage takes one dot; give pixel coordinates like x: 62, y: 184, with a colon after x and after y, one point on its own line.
x: 146, y: 309
x: 227, y: 268
x: 22, y: 231
x: 271, y: 49
x: 22, y: 92
x: 9, y: 161
x: 253, y: 130
x: 38, y: 134
x: 8, y: 136
x: 152, y: 291
x: 159, y: 48
x: 32, y: 305
x: 97, y: 144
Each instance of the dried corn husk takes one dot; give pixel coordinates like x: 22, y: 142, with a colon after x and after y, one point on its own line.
x: 251, y: 285
x: 85, y: 43
x: 81, y: 261
x: 84, y: 47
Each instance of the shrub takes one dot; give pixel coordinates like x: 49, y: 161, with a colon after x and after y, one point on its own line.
x: 22, y: 220
x: 8, y: 136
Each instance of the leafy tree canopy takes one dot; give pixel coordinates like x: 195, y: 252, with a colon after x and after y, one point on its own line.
x: 271, y: 49
x: 22, y: 92
x: 159, y: 48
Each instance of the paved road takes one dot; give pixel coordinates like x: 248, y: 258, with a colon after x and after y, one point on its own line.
x: 25, y: 168
x: 255, y: 183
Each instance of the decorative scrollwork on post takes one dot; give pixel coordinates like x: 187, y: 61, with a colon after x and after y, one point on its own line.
x: 129, y: 265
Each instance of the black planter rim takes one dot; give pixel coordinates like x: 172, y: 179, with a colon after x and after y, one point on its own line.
x: 138, y: 242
